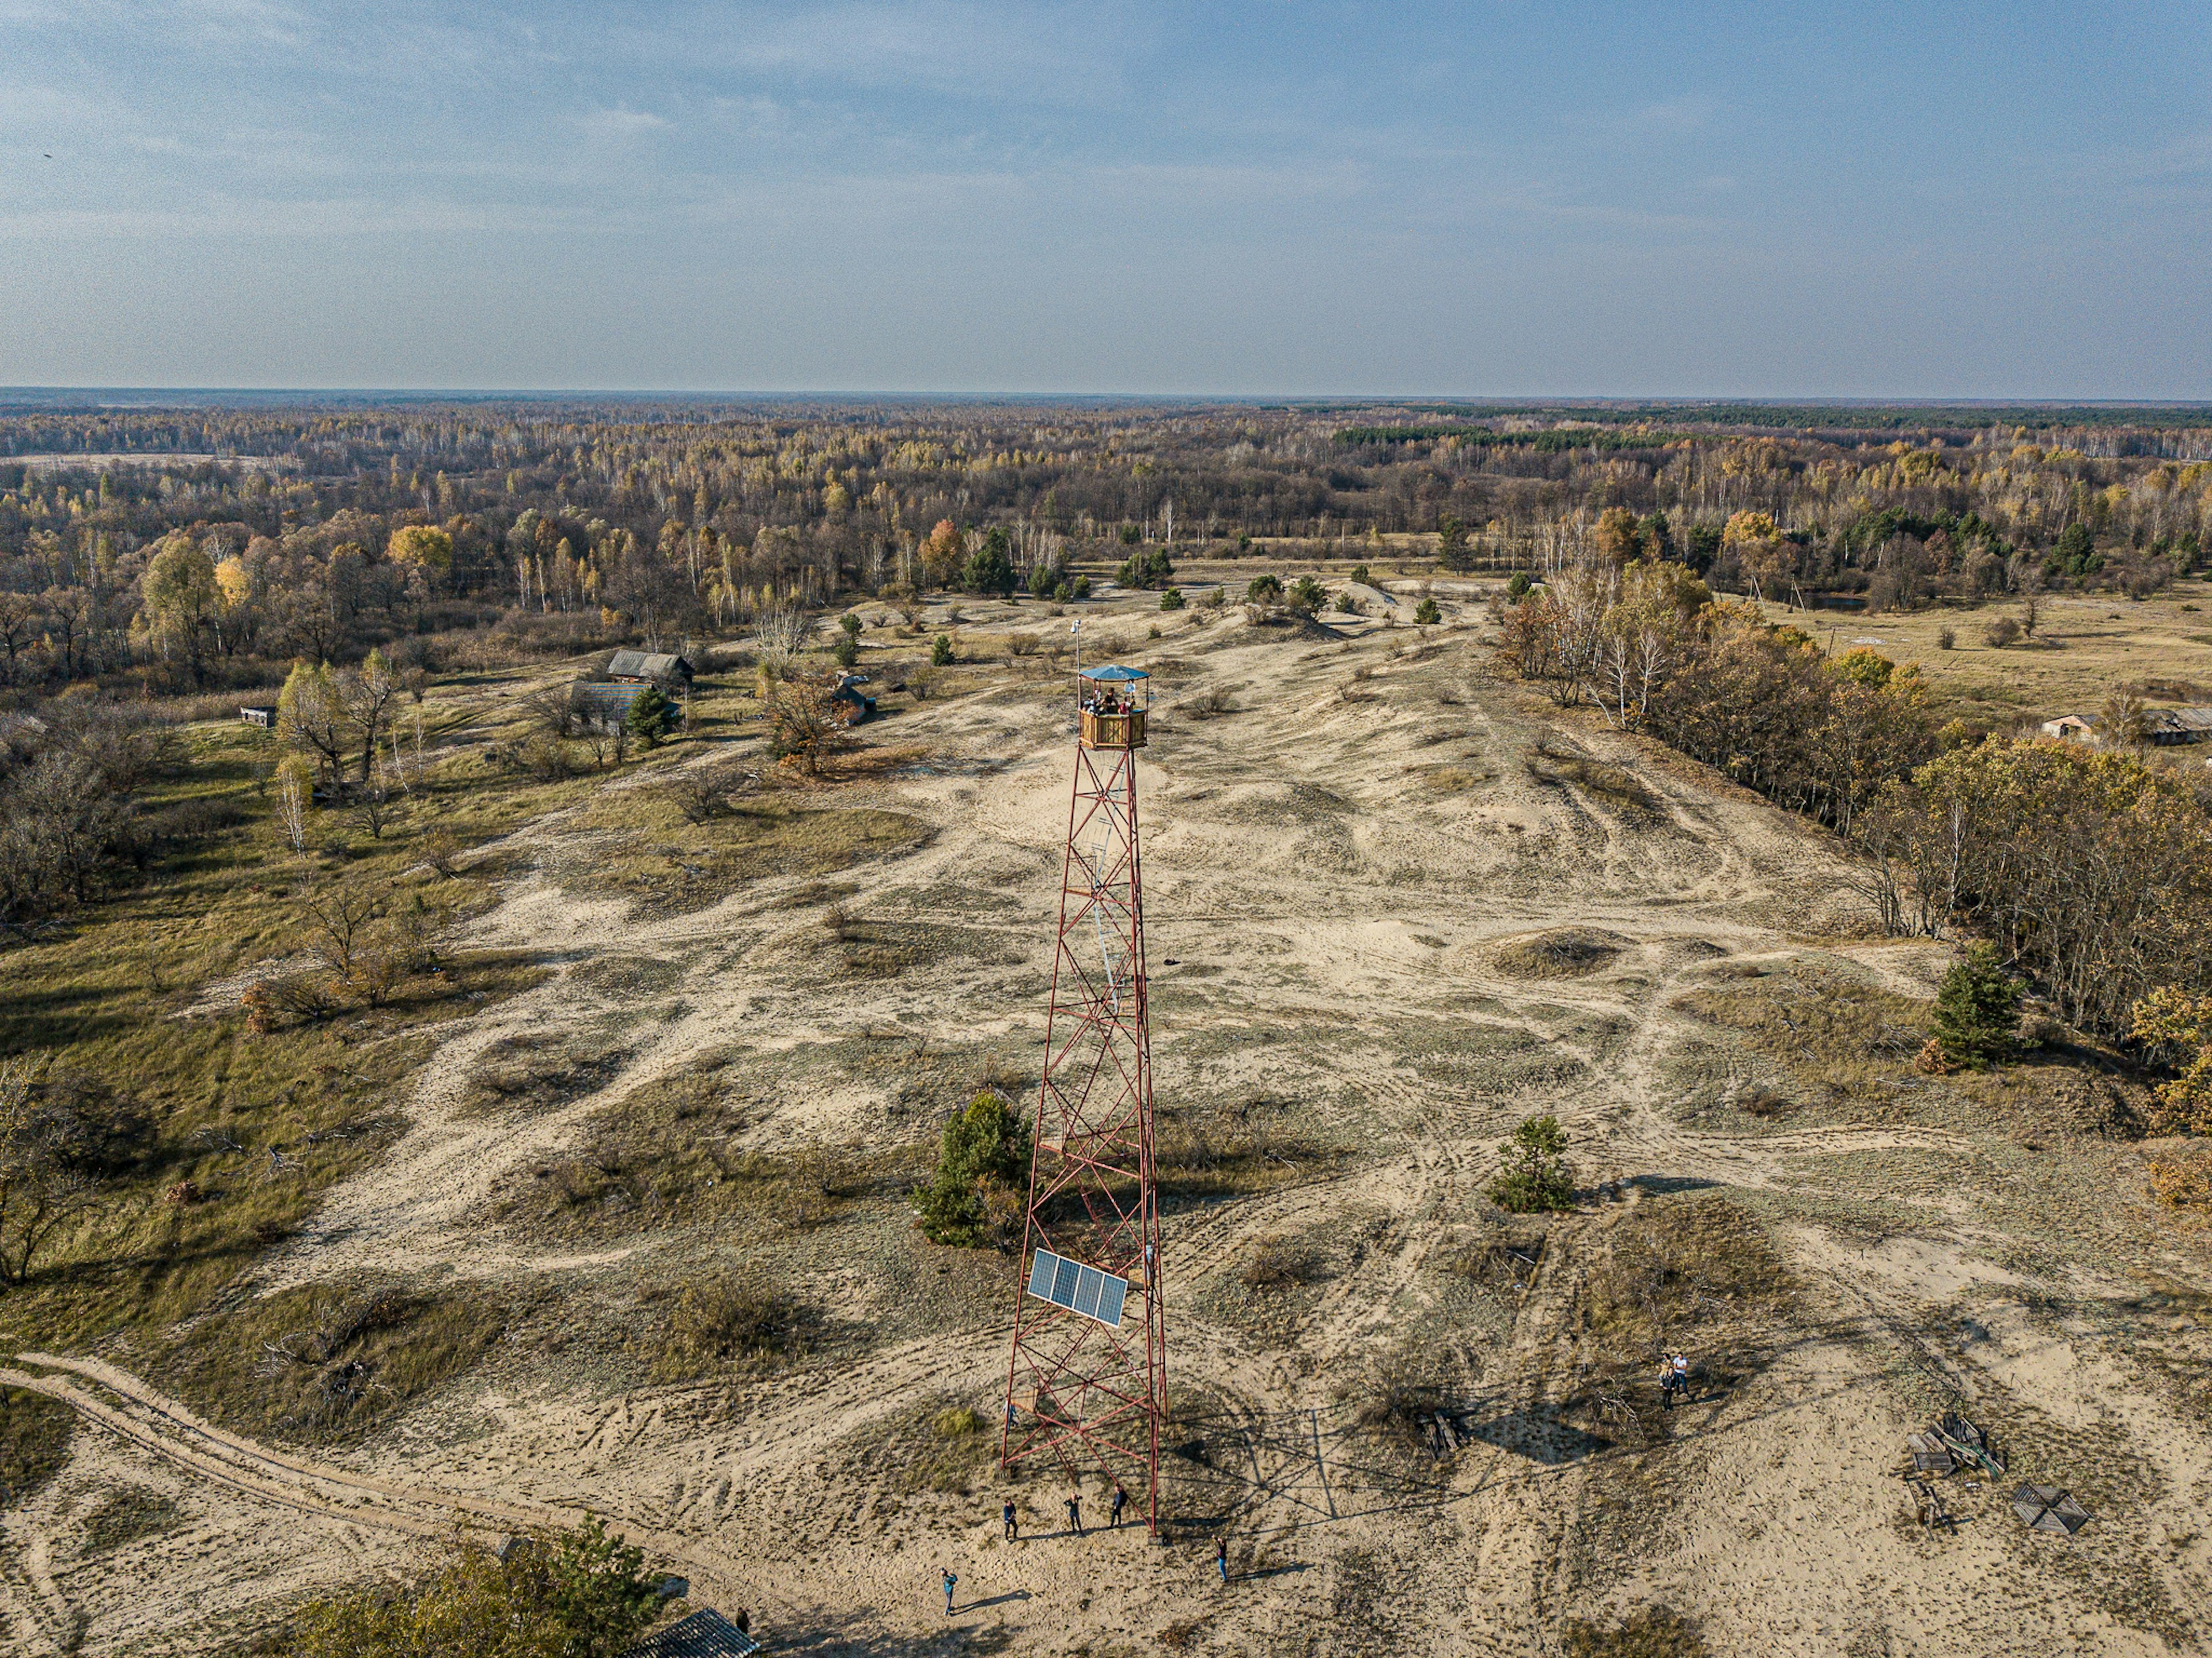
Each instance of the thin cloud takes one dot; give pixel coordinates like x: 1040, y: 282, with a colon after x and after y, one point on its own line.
x: 619, y: 123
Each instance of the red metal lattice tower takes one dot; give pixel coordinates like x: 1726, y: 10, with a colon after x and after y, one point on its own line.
x: 1087, y: 1392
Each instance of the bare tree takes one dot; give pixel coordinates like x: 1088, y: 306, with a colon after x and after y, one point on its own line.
x: 807, y: 721
x: 700, y: 793
x: 41, y: 1189
x: 339, y: 916
x: 777, y: 633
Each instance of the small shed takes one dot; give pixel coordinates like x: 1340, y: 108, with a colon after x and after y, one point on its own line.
x: 263, y: 714
x: 662, y: 668
x: 2169, y: 726
x: 2070, y: 728
x: 704, y: 1634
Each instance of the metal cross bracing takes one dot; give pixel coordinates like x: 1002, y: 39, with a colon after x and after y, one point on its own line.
x: 1091, y: 1393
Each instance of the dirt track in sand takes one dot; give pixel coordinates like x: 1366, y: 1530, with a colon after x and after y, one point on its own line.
x: 1333, y: 868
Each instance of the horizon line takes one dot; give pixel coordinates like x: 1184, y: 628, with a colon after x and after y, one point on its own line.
x: 56, y: 392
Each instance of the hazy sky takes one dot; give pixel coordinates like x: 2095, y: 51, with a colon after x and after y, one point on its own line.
x: 1997, y: 200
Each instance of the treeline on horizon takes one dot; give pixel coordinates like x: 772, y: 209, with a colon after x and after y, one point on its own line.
x: 318, y: 533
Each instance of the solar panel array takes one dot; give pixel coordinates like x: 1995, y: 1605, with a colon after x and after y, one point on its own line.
x: 1079, y: 1289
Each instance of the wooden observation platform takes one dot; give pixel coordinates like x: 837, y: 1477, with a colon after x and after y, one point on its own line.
x: 1114, y: 730
x: 1113, y: 716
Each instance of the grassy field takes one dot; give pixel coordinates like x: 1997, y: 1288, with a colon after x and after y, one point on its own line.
x: 2084, y: 647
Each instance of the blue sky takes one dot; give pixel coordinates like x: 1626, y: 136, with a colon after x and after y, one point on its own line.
x: 1489, y: 198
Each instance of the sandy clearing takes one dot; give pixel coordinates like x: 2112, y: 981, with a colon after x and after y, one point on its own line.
x: 1333, y: 920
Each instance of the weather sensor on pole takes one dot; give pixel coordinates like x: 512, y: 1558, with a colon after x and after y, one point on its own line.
x: 1087, y: 1382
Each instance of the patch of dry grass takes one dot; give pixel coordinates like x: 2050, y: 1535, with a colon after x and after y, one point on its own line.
x: 34, y: 1443
x: 324, y: 1361
x: 126, y: 1515
x: 1505, y: 1256
x: 1671, y: 1269
x: 1828, y: 1028
x: 1549, y: 761
x: 1647, y: 1632
x: 672, y: 865
x: 1565, y: 953
x: 2183, y: 1182
x: 723, y: 1326
x: 538, y: 1071
x: 1230, y: 1151
x: 666, y: 1156
x: 1275, y: 1264
x: 951, y: 1448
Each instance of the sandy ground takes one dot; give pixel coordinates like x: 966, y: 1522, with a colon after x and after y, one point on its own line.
x: 1332, y: 916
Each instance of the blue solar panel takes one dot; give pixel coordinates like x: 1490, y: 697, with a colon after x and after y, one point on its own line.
x: 1079, y: 1289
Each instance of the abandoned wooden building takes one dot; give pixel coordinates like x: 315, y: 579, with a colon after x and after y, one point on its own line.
x: 661, y: 668
x: 2168, y: 726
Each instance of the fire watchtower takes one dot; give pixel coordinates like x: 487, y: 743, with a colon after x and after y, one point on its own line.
x: 1086, y: 1382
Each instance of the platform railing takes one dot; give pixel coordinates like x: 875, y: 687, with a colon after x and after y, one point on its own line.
x: 1114, y: 730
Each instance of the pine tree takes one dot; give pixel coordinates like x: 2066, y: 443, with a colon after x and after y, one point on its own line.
x: 1533, y: 1174
x: 652, y: 717
x: 1978, y: 1009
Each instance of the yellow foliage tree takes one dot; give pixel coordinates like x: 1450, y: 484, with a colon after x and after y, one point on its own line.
x: 1758, y: 546
x: 943, y: 553
x: 428, y: 550
x: 1617, y: 537
x: 235, y: 581
x: 2171, y: 1015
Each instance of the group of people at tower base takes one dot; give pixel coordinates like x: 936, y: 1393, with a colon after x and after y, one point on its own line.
x: 1010, y: 1518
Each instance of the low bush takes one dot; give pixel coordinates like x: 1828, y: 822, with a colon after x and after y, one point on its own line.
x: 1275, y: 1264
x: 2183, y: 1183
x: 973, y: 1199
x: 579, y: 1594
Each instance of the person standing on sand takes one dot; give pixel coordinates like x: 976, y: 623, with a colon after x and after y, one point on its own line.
x: 1075, y: 1516
x: 1013, y: 1524
x: 1121, y: 1501
x: 1221, y: 1557
x: 949, y: 1580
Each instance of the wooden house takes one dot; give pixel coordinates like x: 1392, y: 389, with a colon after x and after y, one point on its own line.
x: 661, y: 668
